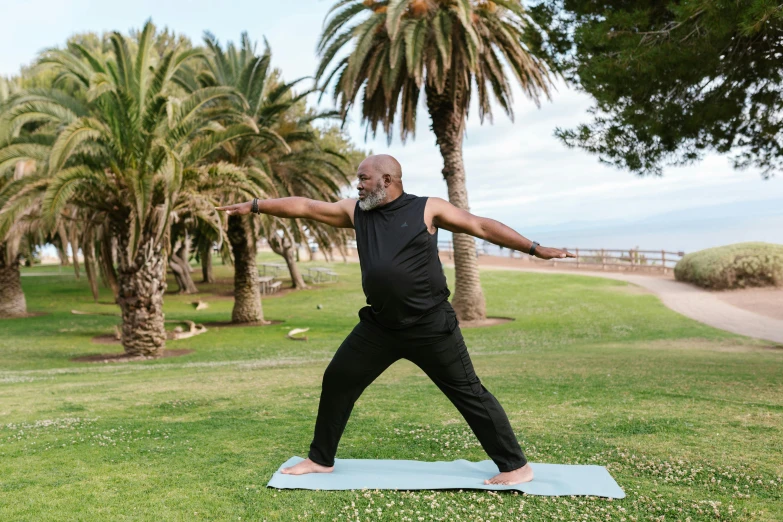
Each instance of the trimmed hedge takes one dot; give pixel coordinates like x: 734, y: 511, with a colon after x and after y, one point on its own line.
x: 733, y: 266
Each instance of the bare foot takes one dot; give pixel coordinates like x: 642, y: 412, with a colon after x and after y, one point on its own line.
x: 306, y: 466
x: 509, y: 478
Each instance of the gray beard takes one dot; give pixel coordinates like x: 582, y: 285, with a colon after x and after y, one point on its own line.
x: 373, y: 199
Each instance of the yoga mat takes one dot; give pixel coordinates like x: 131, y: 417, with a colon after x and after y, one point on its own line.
x: 549, y: 479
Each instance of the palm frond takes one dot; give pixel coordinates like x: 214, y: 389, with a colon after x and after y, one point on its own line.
x: 62, y: 187
x: 180, y: 112
x: 204, y: 145
x: 71, y: 137
x: 24, y: 151
x: 395, y: 11
x: 449, y: 46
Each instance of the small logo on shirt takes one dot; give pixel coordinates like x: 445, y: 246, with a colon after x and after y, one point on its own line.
x: 404, y: 225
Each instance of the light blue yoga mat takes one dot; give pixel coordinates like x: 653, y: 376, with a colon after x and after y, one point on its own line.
x: 549, y: 479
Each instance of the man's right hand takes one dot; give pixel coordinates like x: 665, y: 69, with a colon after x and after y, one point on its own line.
x: 337, y: 214
x: 240, y: 209
x: 550, y: 253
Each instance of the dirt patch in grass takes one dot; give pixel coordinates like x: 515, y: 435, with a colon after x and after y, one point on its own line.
x: 489, y: 321
x: 112, y: 338
x: 123, y: 357
x: 28, y: 314
x: 105, y: 339
x: 229, y: 324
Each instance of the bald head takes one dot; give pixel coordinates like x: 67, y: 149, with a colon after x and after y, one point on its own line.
x: 384, y: 164
x: 380, y: 181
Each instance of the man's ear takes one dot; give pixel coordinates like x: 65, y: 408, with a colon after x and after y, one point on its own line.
x: 387, y: 179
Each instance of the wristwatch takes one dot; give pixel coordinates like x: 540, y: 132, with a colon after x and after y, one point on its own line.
x: 533, y: 247
x: 254, y: 206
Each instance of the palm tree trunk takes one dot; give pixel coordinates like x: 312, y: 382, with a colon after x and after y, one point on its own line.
x: 142, y: 283
x: 448, y: 124
x: 247, y: 293
x: 89, y: 265
x: 181, y: 268
x: 107, y: 259
x: 12, y: 301
x: 285, y: 248
x: 74, y: 240
x: 206, y: 264
x: 62, y: 245
x: 297, y: 281
x: 181, y: 271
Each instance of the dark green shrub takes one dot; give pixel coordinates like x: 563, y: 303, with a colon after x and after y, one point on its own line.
x: 733, y: 266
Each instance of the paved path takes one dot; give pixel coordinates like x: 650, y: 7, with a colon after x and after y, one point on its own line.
x: 688, y: 300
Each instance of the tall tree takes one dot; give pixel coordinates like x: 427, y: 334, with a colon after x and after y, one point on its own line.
x: 447, y: 48
x: 204, y: 240
x: 193, y: 213
x: 122, y: 144
x: 318, y: 167
x: 672, y: 80
x: 242, y: 69
x: 285, y: 159
x: 12, y: 299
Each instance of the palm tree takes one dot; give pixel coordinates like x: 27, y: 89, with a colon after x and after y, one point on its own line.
x: 204, y: 242
x: 193, y: 212
x: 283, y: 159
x: 123, y: 144
x: 12, y: 299
x: 448, y: 48
x: 242, y: 69
x: 318, y: 167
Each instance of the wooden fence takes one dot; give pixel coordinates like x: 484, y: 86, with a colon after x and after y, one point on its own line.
x: 594, y: 258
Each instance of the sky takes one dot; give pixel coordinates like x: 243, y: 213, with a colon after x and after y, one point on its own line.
x: 517, y: 172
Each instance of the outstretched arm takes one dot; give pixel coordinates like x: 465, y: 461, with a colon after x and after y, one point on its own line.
x: 447, y: 216
x: 338, y: 214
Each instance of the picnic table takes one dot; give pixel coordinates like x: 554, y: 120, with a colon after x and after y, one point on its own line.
x: 273, y: 267
x: 318, y: 274
x: 265, y: 282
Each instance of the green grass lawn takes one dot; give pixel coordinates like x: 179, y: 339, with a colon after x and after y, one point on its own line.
x: 687, y: 418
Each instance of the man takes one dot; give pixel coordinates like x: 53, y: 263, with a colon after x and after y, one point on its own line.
x: 408, y: 314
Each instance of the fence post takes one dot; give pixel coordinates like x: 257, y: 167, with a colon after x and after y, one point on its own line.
x: 603, y: 259
x: 577, y: 258
x: 663, y: 260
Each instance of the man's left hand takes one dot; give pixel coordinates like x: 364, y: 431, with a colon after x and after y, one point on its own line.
x: 550, y: 253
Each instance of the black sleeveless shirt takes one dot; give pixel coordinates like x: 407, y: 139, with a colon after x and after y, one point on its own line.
x: 402, y: 276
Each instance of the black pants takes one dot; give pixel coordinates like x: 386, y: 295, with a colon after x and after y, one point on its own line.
x: 434, y: 344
